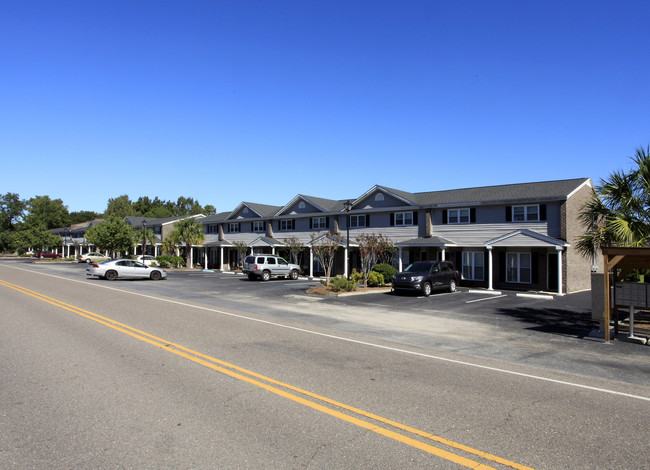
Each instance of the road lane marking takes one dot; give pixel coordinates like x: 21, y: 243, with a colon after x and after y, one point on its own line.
x: 343, y: 338
x: 236, y: 372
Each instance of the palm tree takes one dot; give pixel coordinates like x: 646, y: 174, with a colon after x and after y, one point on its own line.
x: 618, y: 213
x: 190, y: 232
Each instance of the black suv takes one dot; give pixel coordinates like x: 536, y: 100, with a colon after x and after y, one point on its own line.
x: 425, y: 276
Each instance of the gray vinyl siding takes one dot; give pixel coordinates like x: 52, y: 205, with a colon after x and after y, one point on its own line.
x: 474, y: 235
x: 492, y: 219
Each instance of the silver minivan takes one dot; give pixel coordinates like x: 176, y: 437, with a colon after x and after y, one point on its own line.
x: 267, y: 266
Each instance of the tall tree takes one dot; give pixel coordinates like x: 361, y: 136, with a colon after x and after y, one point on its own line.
x: 113, y: 235
x: 12, y: 210
x: 49, y: 212
x: 37, y: 236
x: 210, y: 209
x: 190, y: 232
x: 120, y: 207
x: 618, y: 212
x: 188, y: 206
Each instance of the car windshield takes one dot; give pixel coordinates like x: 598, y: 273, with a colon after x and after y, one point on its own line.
x: 420, y: 267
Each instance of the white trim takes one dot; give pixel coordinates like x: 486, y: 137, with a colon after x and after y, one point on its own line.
x: 587, y: 182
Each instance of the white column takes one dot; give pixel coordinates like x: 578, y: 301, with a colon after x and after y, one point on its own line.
x: 205, y: 258
x: 489, y: 248
x: 345, y: 263
x: 221, y: 259
x: 191, y: 256
x: 311, y: 262
x: 559, y: 270
x: 399, y: 259
x: 443, y: 255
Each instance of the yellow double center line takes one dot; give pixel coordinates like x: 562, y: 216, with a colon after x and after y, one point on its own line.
x: 273, y: 385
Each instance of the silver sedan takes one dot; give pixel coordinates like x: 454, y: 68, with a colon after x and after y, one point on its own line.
x: 125, y: 268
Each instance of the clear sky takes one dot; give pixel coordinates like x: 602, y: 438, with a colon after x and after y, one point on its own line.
x: 231, y: 101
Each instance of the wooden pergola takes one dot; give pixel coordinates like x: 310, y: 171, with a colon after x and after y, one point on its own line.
x: 622, y: 261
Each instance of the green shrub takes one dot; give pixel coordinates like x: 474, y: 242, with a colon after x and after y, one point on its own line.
x: 386, y: 270
x: 375, y: 279
x: 356, y: 276
x: 340, y: 283
x: 167, y: 261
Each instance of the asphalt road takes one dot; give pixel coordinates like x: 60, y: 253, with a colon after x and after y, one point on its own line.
x: 208, y: 370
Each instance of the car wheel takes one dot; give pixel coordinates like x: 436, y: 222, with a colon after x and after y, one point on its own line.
x: 155, y: 275
x: 294, y: 275
x: 252, y: 277
x: 452, y: 285
x: 88, y: 261
x: 426, y: 289
x: 266, y: 276
x: 110, y: 275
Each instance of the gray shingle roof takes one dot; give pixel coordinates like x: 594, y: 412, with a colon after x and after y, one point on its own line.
x: 328, y: 205
x: 522, y: 192
x: 264, y: 210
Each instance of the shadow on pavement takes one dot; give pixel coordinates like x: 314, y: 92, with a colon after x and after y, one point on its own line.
x: 553, y: 320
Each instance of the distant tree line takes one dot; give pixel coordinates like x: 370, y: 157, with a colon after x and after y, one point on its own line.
x: 29, y: 223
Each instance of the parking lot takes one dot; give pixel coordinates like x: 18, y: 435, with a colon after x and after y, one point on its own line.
x: 568, y: 315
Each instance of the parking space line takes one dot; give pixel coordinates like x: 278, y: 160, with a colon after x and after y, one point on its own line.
x: 486, y: 298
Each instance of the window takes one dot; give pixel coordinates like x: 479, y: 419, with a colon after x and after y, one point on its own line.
x: 458, y: 216
x: 319, y: 223
x: 259, y: 226
x: 379, y: 197
x: 403, y: 218
x: 357, y: 221
x: 286, y: 225
x: 518, y: 268
x: 301, y: 205
x: 212, y: 229
x: 473, y: 265
x: 525, y: 213
x: 233, y: 227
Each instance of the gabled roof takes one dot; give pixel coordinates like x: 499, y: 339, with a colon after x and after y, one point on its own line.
x: 266, y: 241
x: 334, y: 238
x: 524, y: 237
x: 427, y: 241
x: 407, y: 198
x: 558, y: 190
x: 322, y: 204
x: 262, y: 210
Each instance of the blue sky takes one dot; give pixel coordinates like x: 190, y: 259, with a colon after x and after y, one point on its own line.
x: 230, y: 101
